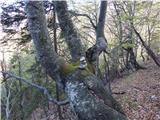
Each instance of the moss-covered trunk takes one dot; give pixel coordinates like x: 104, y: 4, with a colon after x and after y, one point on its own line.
x: 87, y: 103
x: 86, y: 93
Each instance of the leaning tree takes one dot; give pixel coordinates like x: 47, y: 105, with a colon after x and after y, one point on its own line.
x: 86, y: 93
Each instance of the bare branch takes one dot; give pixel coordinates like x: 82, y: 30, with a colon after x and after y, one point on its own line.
x: 148, y: 49
x: 84, y: 15
x: 42, y: 89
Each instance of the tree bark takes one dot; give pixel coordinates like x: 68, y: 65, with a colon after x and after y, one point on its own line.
x: 100, y: 38
x: 88, y: 103
x: 56, y: 50
x: 70, y: 34
x: 38, y: 29
x: 92, y: 54
x: 86, y: 94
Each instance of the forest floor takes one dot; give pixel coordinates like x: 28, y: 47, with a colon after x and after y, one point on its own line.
x: 141, y: 100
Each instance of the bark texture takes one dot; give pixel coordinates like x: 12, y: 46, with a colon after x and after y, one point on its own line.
x: 92, y: 54
x: 45, y: 52
x: 38, y: 29
x: 101, y: 19
x: 70, y: 34
x: 87, y: 103
x: 86, y: 93
x: 100, y: 38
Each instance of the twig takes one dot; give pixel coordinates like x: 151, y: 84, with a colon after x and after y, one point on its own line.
x: 42, y: 89
x: 119, y: 93
x: 85, y: 15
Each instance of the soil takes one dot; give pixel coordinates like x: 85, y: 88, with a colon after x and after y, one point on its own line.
x: 141, y: 93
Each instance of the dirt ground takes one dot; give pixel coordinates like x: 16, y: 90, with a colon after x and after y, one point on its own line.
x: 141, y: 100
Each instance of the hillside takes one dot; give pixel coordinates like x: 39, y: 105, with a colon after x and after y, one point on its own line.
x: 141, y: 100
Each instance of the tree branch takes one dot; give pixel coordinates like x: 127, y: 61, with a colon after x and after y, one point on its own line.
x: 71, y: 35
x: 84, y: 15
x: 40, y: 88
x: 37, y: 25
x: 93, y: 53
x: 101, y: 19
x: 148, y: 49
x: 101, y: 42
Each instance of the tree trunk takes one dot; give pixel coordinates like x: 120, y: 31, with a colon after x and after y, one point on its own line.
x: 149, y: 51
x: 88, y: 103
x: 87, y: 95
x: 70, y: 34
x: 56, y: 50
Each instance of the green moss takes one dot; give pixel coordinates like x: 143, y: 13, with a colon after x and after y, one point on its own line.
x: 128, y: 45
x: 67, y: 68
x: 76, y: 63
x: 91, y: 68
x: 85, y: 72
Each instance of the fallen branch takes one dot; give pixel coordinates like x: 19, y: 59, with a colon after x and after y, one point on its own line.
x: 42, y: 89
x: 119, y: 93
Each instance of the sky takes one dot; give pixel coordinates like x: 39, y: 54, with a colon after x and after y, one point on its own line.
x: 13, y: 1
x: 1, y: 33
x: 7, y: 1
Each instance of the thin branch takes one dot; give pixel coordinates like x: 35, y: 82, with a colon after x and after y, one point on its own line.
x: 85, y: 15
x: 119, y: 93
x: 42, y: 89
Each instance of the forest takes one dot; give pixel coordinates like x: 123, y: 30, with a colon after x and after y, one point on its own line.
x: 80, y: 60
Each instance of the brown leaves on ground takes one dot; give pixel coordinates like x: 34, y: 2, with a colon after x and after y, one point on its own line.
x: 141, y: 100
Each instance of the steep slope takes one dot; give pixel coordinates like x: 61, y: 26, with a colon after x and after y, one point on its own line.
x: 141, y: 100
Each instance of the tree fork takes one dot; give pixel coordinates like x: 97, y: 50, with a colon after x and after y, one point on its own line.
x: 85, y: 92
